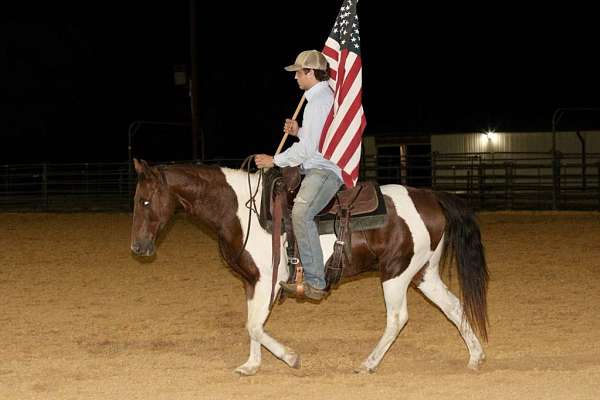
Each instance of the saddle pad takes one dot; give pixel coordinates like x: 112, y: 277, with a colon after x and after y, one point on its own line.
x: 368, y: 218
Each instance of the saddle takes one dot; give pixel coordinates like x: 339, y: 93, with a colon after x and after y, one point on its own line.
x: 365, y: 202
x: 355, y: 209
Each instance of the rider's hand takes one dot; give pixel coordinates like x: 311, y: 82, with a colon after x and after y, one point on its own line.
x: 263, y: 161
x: 290, y: 127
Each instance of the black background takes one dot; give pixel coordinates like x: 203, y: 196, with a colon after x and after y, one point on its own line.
x: 74, y: 77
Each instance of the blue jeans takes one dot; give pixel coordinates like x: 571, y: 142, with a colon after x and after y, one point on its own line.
x: 317, y: 189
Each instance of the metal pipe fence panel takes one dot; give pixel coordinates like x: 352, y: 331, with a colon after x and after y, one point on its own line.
x: 487, y: 181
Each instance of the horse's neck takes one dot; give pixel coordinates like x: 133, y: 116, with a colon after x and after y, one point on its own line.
x: 214, y: 195
x: 244, y: 186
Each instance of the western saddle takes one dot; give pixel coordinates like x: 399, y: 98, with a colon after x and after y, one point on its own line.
x: 359, y: 208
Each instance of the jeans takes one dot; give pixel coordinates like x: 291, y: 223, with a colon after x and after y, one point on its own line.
x: 317, y: 189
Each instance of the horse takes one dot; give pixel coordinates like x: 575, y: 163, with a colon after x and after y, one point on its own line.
x: 424, y: 229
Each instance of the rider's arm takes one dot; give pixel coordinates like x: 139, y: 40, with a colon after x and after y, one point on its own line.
x: 315, y: 114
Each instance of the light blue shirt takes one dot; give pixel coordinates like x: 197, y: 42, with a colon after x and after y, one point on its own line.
x: 305, y: 152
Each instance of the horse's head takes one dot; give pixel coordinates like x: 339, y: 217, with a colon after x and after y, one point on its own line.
x: 153, y: 207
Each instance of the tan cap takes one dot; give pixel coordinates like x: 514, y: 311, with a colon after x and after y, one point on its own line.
x: 311, y: 59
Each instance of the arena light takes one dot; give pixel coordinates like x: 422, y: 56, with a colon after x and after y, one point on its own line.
x: 489, y: 136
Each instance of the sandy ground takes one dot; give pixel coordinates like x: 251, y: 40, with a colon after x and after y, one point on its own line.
x: 81, y: 318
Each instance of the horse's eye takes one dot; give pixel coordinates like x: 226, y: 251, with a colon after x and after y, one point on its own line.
x: 146, y: 203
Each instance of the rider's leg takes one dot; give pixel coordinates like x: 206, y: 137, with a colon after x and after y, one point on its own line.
x: 317, y: 189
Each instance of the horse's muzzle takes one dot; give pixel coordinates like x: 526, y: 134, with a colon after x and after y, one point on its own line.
x: 143, y: 248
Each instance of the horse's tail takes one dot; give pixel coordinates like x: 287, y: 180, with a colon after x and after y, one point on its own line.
x: 463, y: 243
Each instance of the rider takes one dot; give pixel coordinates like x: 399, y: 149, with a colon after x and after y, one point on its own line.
x: 323, y: 178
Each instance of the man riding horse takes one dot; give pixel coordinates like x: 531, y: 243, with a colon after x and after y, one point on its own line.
x: 322, y: 177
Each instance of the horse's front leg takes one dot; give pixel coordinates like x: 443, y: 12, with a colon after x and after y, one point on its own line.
x: 251, y: 366
x: 258, y: 311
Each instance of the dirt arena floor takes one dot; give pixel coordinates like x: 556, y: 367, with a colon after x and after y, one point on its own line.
x: 80, y: 318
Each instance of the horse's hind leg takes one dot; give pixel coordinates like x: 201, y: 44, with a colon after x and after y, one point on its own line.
x: 434, y: 288
x: 397, y: 314
x: 258, y: 311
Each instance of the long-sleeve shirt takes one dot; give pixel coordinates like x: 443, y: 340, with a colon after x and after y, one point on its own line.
x: 305, y: 152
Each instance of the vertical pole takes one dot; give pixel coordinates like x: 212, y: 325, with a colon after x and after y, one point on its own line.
x: 583, y: 159
x: 508, y: 181
x: 556, y: 173
x: 481, y: 179
x: 194, y: 84
x: 598, y: 176
x: 555, y: 117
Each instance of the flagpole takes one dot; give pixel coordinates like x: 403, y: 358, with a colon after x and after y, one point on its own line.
x: 293, y: 119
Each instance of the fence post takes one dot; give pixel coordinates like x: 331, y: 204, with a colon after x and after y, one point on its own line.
x: 454, y: 175
x: 556, y: 180
x: 481, y: 181
x: 508, y: 182
x: 470, y: 185
x: 402, y: 171
x: 598, y: 175
x: 540, y: 188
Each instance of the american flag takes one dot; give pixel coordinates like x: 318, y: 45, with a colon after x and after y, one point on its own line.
x: 341, y: 137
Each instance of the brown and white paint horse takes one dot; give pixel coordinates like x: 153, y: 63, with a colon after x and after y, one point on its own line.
x: 422, y: 226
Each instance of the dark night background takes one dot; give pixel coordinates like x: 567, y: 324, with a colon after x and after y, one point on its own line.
x: 75, y: 76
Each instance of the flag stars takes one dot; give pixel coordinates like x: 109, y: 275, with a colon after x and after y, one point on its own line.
x: 345, y: 29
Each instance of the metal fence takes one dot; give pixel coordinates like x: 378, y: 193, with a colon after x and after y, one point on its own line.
x: 71, y: 187
x: 491, y: 181
x: 537, y: 181
x: 64, y: 187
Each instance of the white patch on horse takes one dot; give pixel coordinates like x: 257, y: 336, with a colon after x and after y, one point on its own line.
x: 259, y: 247
x: 405, y: 208
x: 434, y: 288
x: 394, y: 290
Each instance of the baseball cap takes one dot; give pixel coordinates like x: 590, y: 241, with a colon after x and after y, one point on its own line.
x: 310, y: 59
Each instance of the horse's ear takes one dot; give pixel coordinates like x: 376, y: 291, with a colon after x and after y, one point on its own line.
x: 140, y: 166
x: 144, y: 170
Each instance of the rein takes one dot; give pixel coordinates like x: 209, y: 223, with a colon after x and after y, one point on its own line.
x: 251, y: 206
x: 251, y: 203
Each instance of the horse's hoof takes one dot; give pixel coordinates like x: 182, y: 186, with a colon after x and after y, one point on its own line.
x: 363, y: 369
x: 476, y: 363
x: 245, y: 370
x: 295, y: 361
x: 473, y: 366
